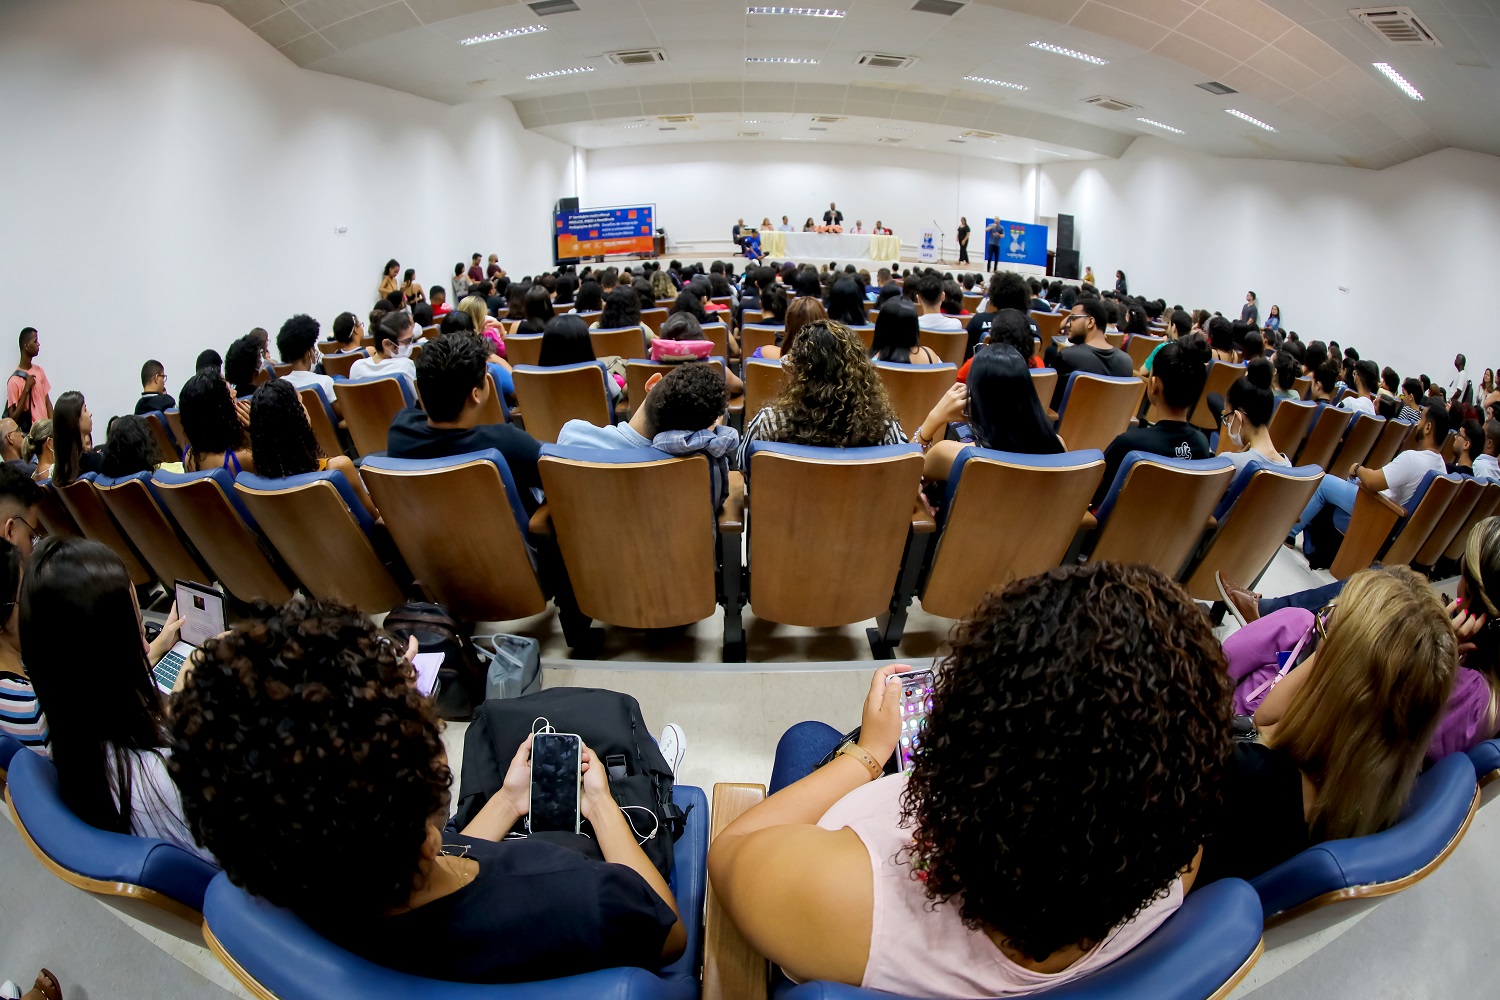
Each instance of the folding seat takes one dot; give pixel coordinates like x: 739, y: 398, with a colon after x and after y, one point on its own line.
x: 1364, y: 431
x: 1048, y: 324
x: 1158, y: 509
x: 866, y: 334
x: 523, y: 348
x: 550, y: 397
x: 227, y: 538
x: 329, y: 347
x: 55, y: 517
x: 1487, y: 505
x: 1044, y: 380
x: 369, y: 405
x: 915, y: 389
x: 600, y: 500
x: 972, y: 302
x: 282, y: 371
x: 716, y: 333
x: 624, y: 342
x: 1303, y: 385
x: 949, y: 346
x: 1485, y: 757
x: 1325, y: 436
x: 494, y: 410
x: 1290, y: 422
x: 756, y: 335
x: 872, y: 313
x: 845, y: 535
x: 1115, y: 340
x: 1096, y: 409
x: 639, y: 370
x: 1450, y: 447
x: 750, y: 316
x: 654, y: 318
x: 1140, y: 346
x: 166, y: 444
x: 1392, y: 434
x: 338, y: 365
x: 1221, y: 375
x: 148, y: 878
x: 430, y: 332
x: 85, y: 505
x: 173, y: 417
x: 1262, y: 504
x: 275, y: 955
x: 324, y: 533
x: 1454, y: 517
x: 589, y: 318
x: 764, y: 381
x: 133, y: 503
x: 974, y: 556
x: 9, y: 747
x: 322, y: 419
x: 723, y: 300
x: 1380, y: 528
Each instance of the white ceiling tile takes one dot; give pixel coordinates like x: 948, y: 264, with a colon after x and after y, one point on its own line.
x: 1217, y: 33
x: 322, y: 13
x: 1310, y: 50
x: 368, y: 27
x: 431, y: 11
x: 1283, y: 68
x: 1259, y: 19
x: 308, y: 49
x: 278, y: 29
x: 253, y: 11
x: 1209, y: 62
x: 1117, y: 24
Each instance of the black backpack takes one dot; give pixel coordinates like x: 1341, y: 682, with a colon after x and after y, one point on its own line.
x: 612, y: 726
x: 20, y: 416
x: 460, y: 682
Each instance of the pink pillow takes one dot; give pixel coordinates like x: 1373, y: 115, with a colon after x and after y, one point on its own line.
x: 672, y: 351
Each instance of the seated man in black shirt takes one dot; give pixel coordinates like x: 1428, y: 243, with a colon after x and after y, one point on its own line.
x: 1008, y: 290
x: 334, y: 805
x: 154, y: 395
x: 451, y: 381
x: 1174, y: 385
x: 1088, y: 351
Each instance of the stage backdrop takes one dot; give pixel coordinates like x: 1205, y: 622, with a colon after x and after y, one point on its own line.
x: 1021, y: 242
x: 594, y: 232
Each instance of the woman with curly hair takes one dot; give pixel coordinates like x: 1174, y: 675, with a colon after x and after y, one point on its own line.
x: 282, y: 442
x: 833, y: 397
x: 311, y: 765
x: 214, y: 426
x: 1052, y: 818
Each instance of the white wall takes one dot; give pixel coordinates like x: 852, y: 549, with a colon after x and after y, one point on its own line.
x: 172, y: 181
x: 1201, y: 231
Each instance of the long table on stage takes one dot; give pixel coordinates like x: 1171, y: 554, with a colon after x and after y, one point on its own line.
x: 830, y: 246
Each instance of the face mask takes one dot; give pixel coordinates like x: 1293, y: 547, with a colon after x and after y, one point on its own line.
x: 1234, y: 431
x: 403, y: 350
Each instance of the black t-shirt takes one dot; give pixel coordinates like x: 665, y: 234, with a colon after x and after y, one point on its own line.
x: 534, y: 911
x: 153, y: 402
x: 411, y: 436
x: 1261, y: 824
x: 979, y: 328
x: 1083, y: 358
x: 1169, y: 438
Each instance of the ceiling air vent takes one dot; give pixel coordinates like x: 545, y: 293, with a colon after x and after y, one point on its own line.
x: 674, y: 119
x: 666, y: 128
x: 818, y: 128
x: 1105, y: 103
x: 881, y: 60
x: 637, y: 57
x: 1397, y: 25
x: 750, y: 135
x: 1215, y: 87
x: 828, y: 119
x: 976, y: 134
x: 945, y: 7
x: 544, y: 7
x: 959, y: 141
x: 889, y: 138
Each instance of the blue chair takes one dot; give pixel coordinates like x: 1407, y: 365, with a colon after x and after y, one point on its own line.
x: 9, y: 747
x: 206, y: 507
x: 1485, y: 758
x: 83, y: 501
x: 1378, y: 528
x: 1096, y: 409
x: 1260, y: 507
x: 136, y: 508
x: 369, y: 405
x: 279, y: 957
x: 171, y: 450
x: 1157, y: 509
x: 1434, y: 821
x: 550, y: 397
x: 107, y: 864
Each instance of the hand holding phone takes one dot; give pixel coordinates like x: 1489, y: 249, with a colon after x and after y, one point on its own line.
x: 556, y: 768
x: 916, y: 706
x: 880, y: 723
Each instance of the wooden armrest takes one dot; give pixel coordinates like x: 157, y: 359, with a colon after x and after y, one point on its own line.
x: 541, y: 521
x: 922, y: 521
x: 732, y: 517
x: 1370, y: 525
x: 732, y: 970
x: 1088, y: 522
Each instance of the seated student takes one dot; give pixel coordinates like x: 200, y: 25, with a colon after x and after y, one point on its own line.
x: 1366, y: 384
x: 897, y: 329
x: 393, y: 339
x: 622, y: 308
x: 566, y: 341
x: 1007, y: 290
x: 1413, y: 401
x: 348, y: 333
x: 487, y: 326
x: 1012, y: 327
x: 283, y: 444
x: 1469, y: 443
x: 465, y: 906
x: 1397, y: 480
x: 682, y: 326
x: 1087, y: 350
x: 130, y: 449
x: 297, y: 342
x: 1341, y: 737
x: 21, y: 717
x: 214, y: 426
x: 590, y: 297
x: 1174, y: 385
x: 1288, y: 370
x: 1247, y: 420
x: 960, y: 877
x: 451, y: 380
x: 106, y: 719
x: 799, y: 314
x: 774, y: 305
x: 37, y: 450
x: 1002, y: 415
x: 208, y: 359
x: 1486, y: 465
x: 72, y: 425
x: 1325, y: 383
x: 538, y: 306
x: 154, y: 395
x: 929, y: 303
x: 20, y: 523
x: 241, y: 362
x: 833, y: 397
x: 437, y: 300
x: 846, y: 303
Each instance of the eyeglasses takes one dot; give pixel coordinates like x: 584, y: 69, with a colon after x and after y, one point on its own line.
x: 1324, y: 614
x: 36, y: 535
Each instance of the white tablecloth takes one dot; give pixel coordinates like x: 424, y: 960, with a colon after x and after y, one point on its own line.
x: 830, y: 246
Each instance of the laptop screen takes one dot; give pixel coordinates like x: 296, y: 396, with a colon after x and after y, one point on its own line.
x: 202, y: 613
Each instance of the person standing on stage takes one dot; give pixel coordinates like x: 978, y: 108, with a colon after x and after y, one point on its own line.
x: 992, y: 234
x: 963, y: 239
x: 833, y: 217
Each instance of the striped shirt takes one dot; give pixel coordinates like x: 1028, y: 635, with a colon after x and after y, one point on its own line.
x: 21, y: 716
x: 767, y: 425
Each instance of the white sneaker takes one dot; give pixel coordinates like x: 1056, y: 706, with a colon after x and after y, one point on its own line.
x: 9, y: 991
x: 673, y: 744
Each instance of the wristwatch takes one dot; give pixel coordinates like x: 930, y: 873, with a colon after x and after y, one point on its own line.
x: 862, y: 755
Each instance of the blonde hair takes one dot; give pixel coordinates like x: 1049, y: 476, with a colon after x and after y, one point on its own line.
x: 661, y: 286
x: 35, y: 441
x: 803, y: 311
x: 1361, y: 725
x: 477, y: 311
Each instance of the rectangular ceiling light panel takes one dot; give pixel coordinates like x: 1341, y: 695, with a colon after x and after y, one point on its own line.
x: 1253, y: 121
x: 1070, y: 53
x: 1400, y: 81
x: 995, y: 83
x: 560, y: 72
x: 801, y: 11
x: 495, y: 36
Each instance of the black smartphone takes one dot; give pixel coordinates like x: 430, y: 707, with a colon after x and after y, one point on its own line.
x: 916, y: 706
x: 556, y: 767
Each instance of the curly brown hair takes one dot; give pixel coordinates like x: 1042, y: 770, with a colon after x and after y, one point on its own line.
x: 308, y: 762
x: 1072, y: 758
x: 833, y: 397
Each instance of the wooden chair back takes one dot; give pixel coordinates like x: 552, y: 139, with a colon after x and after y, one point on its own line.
x: 656, y: 579
x: 848, y: 514
x: 1386, y: 446
x: 1161, y: 513
x: 322, y: 423
x: 1116, y: 340
x: 174, y: 424
x: 169, y: 449
x: 1324, y: 437
x: 638, y: 373
x: 1303, y: 385
x: 1290, y: 422
x: 1364, y: 431
x: 1486, y: 506
x: 261, y: 377
x: 1044, y: 381
x: 722, y: 300
x: 872, y: 313
x: 749, y: 316
x: 654, y: 318
x: 764, y: 381
x: 56, y: 519
x: 972, y: 558
x: 311, y: 526
x: 492, y: 412
x: 1454, y: 517
x: 282, y: 371
x: 718, y: 335
x: 201, y: 504
x: 481, y: 571
x: 1450, y: 447
x: 87, y: 508
x: 1251, y: 532
x: 915, y: 389
x: 1221, y: 375
x: 757, y: 336
x: 339, y: 365
x: 135, y: 510
x: 1139, y: 347
x: 550, y: 397
x: 866, y: 335
x: 431, y: 332
x: 369, y: 408
x: 592, y: 317
x: 1097, y: 409
x: 972, y: 301
x: 948, y: 345
x: 1421, y: 522
x: 1048, y: 325
x: 523, y: 349
x: 327, y: 347
x: 626, y: 342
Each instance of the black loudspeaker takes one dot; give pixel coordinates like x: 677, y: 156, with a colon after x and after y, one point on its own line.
x: 1067, y: 263
x: 1065, y: 232
x: 571, y: 205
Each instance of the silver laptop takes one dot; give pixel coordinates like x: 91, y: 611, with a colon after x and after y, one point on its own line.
x: 202, y: 611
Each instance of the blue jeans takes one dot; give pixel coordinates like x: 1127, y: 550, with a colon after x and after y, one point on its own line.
x: 1339, y: 493
x: 799, y: 750
x: 1310, y: 600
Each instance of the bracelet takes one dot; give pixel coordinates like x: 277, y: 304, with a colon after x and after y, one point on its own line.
x: 864, y: 756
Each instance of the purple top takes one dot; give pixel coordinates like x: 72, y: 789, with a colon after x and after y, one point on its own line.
x: 1466, y: 720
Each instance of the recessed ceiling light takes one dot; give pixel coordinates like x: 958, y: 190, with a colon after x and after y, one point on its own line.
x: 1400, y: 81
x: 799, y: 138
x: 495, y: 36
x: 1052, y: 152
x: 1070, y: 53
x: 898, y: 128
x: 1253, y: 121
x: 1159, y: 125
x: 560, y: 72
x: 781, y: 59
x: 804, y: 11
x: 633, y: 125
x: 995, y: 83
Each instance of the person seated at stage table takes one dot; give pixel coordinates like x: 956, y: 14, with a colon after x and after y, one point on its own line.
x: 880, y: 229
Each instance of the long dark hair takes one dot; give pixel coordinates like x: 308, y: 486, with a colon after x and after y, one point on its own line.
x: 130, y: 449
x: 846, y: 302
x: 622, y: 308
x: 1004, y: 410
x: 67, y: 437
x: 896, y: 332
x: 565, y: 342
x: 94, y: 683
x: 282, y: 442
x: 538, y: 310
x: 208, y: 418
x: 689, y: 302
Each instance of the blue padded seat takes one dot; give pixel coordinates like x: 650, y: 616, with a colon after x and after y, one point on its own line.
x: 9, y: 747
x: 266, y: 484
x: 1062, y: 404
x: 112, y: 864
x: 1242, y: 480
x: 272, y: 948
x: 868, y: 454
x: 1207, y: 945
x: 1061, y: 460
x: 222, y: 477
x: 1442, y: 803
x: 491, y: 455
x: 1485, y: 757
x: 1132, y: 458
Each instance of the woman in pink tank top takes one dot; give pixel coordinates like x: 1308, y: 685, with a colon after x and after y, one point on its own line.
x: 1051, y: 819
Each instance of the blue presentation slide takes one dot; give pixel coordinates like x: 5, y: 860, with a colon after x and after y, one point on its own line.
x: 1020, y: 242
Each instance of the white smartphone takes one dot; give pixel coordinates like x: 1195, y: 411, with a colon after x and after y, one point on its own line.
x: 556, y: 770
x: 916, y: 705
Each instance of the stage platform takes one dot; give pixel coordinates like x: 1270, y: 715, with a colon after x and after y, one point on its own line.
x: 708, y: 253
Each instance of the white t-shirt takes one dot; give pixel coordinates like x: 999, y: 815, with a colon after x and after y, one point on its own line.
x: 378, y: 367
x: 1358, y: 404
x: 1404, y: 472
x: 155, y: 805
x: 939, y: 322
x: 1487, y: 467
x: 302, y: 380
